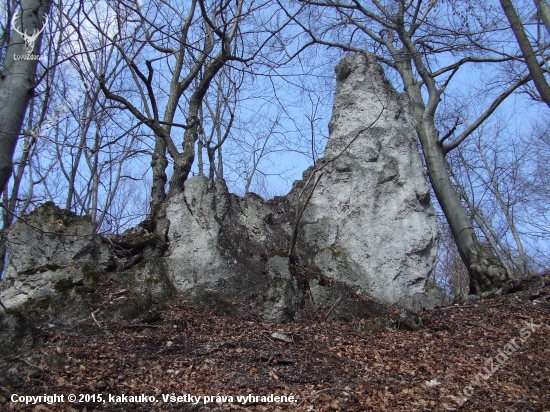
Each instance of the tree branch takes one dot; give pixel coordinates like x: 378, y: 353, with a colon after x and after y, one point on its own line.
x: 470, y: 129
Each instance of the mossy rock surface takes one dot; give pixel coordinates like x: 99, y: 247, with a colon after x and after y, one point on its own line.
x: 219, y: 305
x: 148, y: 278
x: 16, y: 332
x: 58, y: 218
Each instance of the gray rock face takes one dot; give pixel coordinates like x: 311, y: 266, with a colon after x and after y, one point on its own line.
x: 222, y: 249
x: 368, y: 225
x: 369, y: 222
x: 51, y: 274
x: 54, y: 253
x: 367, y: 236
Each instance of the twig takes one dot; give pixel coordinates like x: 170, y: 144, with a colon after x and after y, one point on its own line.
x: 348, y: 391
x: 95, y: 320
x: 217, y: 348
x: 360, y: 336
x: 142, y: 326
x: 333, y: 306
x: 330, y: 389
x: 285, y: 361
x: 494, y: 305
x: 272, y: 360
x: 542, y: 310
x: 272, y: 357
x: 309, y: 337
x: 457, y: 307
x: 26, y: 362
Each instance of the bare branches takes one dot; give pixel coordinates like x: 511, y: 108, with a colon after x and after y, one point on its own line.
x: 484, y: 116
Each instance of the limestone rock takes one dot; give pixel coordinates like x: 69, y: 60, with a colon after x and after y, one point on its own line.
x: 52, y: 252
x: 51, y: 274
x: 367, y: 237
x: 217, y: 251
x: 368, y: 231
x: 52, y: 239
x: 148, y: 278
x: 369, y: 222
x: 15, y: 333
x: 284, y: 297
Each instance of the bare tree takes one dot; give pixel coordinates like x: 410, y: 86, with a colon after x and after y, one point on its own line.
x: 18, y: 72
x: 126, y: 57
x: 74, y: 151
x: 489, y: 175
x: 536, y: 215
x: 173, y: 54
x: 217, y: 123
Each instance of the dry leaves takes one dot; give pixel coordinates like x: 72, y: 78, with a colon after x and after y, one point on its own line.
x: 327, y: 366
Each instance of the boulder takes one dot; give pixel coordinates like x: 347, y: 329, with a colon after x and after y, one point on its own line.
x: 52, y: 253
x: 51, y: 274
x: 224, y: 249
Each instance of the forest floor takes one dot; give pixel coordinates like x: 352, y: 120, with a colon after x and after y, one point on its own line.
x: 489, y: 355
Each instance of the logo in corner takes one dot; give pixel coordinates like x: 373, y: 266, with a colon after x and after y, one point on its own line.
x: 29, y: 40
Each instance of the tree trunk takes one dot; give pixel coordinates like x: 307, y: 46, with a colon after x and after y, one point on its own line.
x: 211, y: 164
x: 17, y: 81
x: 544, y: 10
x: 200, y: 162
x: 183, y: 162
x: 485, y: 275
x: 528, y: 53
x: 158, y: 164
x: 220, y: 162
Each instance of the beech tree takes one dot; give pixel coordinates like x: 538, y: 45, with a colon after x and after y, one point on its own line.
x: 19, y: 48
x: 17, y: 77
x: 426, y: 44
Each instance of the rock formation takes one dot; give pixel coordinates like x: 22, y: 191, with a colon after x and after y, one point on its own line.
x: 370, y: 222
x: 53, y: 265
x: 364, y: 229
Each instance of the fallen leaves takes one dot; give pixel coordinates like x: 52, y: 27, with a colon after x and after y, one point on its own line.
x: 326, y: 365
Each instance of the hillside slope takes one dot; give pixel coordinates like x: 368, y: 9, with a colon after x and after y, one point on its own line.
x: 324, y: 365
